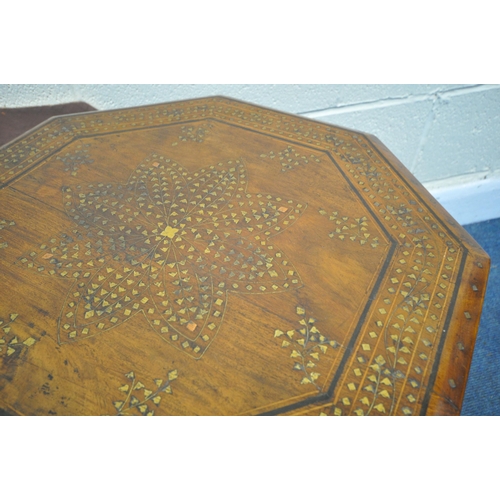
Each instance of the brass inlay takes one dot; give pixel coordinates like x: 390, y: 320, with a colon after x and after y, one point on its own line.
x: 170, y: 244
x: 307, y: 344
x: 169, y: 232
x: 11, y: 341
x: 3, y: 224
x: 140, y: 398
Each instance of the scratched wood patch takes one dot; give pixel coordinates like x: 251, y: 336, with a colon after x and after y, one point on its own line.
x: 212, y: 257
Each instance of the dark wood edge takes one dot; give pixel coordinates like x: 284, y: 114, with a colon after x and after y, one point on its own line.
x: 458, y: 347
x: 447, y: 393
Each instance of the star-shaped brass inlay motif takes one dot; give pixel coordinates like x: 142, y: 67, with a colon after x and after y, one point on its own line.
x: 170, y: 244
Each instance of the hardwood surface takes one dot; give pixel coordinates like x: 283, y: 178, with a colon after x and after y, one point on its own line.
x: 212, y: 257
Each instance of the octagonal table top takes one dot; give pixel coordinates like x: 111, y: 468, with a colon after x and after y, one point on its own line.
x: 213, y: 257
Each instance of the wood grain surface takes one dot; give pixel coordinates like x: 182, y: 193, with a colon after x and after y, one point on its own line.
x: 212, y: 257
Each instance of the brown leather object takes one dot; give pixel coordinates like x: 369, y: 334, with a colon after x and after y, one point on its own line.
x: 16, y: 121
x: 213, y: 257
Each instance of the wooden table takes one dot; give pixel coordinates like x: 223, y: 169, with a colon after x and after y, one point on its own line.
x: 212, y: 257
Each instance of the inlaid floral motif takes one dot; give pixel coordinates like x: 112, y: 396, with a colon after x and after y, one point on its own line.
x: 289, y: 158
x: 352, y: 228
x: 191, y: 133
x: 74, y: 159
x: 138, y: 399
x: 307, y: 344
x: 170, y: 244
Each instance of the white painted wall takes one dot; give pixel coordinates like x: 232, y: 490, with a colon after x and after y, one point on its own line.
x: 447, y: 135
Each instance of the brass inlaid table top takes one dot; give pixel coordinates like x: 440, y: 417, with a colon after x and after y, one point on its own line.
x: 212, y: 257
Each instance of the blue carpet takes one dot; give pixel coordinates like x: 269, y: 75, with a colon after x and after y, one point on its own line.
x: 482, y: 395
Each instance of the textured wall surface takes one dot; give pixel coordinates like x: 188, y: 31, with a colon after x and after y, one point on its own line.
x: 444, y: 134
